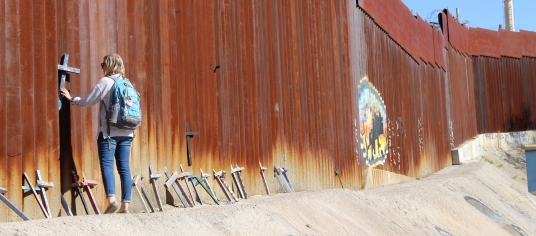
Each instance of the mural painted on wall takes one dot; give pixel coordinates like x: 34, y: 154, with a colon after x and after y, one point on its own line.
x: 372, y: 124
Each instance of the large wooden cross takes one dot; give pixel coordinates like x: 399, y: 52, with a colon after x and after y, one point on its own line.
x: 188, y: 136
x: 63, y: 69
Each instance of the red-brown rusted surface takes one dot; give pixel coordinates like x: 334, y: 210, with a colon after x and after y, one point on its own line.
x: 418, y: 134
x: 444, y: 24
x: 529, y: 43
x: 458, y: 34
x: 511, y: 44
x: 529, y: 86
x: 492, y: 95
x: 412, y: 33
x: 28, y: 114
x: 461, y: 110
x: 484, y: 42
x: 439, y: 49
x: 504, y: 93
x: 274, y: 81
x: 4, y: 160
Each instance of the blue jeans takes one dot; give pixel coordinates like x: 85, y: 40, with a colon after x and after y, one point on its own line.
x: 120, y: 148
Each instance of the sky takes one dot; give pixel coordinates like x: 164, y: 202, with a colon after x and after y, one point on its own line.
x: 487, y: 14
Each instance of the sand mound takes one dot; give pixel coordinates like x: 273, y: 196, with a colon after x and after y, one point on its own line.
x: 481, y: 198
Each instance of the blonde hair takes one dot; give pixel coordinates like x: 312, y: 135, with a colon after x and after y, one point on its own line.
x: 114, y: 65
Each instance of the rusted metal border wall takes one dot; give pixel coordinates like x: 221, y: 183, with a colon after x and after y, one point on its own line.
x: 505, y: 93
x: 272, y: 81
x: 503, y: 77
x: 462, y: 124
x: 406, y: 59
x: 253, y: 89
x: 28, y: 107
x: 266, y: 81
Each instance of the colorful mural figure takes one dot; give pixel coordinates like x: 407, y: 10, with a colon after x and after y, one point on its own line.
x: 372, y: 120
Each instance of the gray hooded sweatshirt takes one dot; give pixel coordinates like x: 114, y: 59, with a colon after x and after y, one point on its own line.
x: 102, y: 92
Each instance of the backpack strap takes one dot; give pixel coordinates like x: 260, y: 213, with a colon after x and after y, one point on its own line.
x: 108, y: 122
x: 102, y: 100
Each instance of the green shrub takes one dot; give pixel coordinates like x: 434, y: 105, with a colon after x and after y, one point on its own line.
x: 489, y: 161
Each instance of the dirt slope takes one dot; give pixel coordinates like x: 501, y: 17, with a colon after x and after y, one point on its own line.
x: 428, y: 206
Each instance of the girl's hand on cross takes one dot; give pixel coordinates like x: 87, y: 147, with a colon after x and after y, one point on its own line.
x: 66, y: 94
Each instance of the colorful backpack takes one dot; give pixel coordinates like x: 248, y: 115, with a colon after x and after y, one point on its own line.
x: 124, y: 110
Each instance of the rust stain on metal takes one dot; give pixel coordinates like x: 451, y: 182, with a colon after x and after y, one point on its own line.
x: 269, y: 81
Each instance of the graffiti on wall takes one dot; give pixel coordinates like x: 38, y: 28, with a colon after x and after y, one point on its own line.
x: 505, y: 136
x: 372, y: 124
x: 396, y: 133
x: 512, y: 140
x: 420, y: 130
x: 451, y: 134
x: 356, y: 139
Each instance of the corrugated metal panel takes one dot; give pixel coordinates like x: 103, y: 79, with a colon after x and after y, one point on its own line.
x: 3, y: 110
x: 511, y: 43
x: 235, y: 72
x: 487, y: 73
x: 504, y: 94
x: 271, y: 81
x: 412, y: 33
x: 29, y: 140
x: 461, y: 122
x: 529, y: 86
x: 484, y: 42
x: 517, y: 110
x: 529, y: 43
x: 458, y: 34
x: 415, y: 97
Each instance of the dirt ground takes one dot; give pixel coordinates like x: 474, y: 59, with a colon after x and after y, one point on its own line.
x: 487, y: 197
